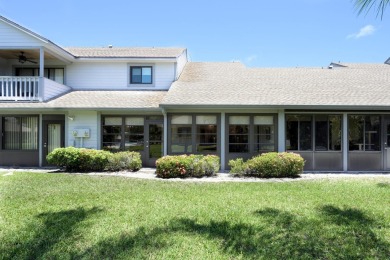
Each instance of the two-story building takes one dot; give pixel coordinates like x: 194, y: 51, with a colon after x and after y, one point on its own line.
x: 154, y: 101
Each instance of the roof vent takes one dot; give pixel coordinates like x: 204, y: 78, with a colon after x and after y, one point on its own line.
x: 330, y: 67
x: 110, y: 46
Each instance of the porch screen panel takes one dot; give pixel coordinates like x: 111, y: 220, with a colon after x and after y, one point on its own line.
x: 181, y: 134
x: 206, y: 134
x: 364, y: 133
x: 112, y: 133
x: 239, y: 134
x: 264, y: 133
x: 299, y: 132
x: 134, y: 133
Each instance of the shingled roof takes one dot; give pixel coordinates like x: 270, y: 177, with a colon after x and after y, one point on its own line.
x: 125, y: 52
x: 90, y: 99
x: 231, y: 84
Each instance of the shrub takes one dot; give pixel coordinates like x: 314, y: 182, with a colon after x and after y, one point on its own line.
x: 124, y: 161
x: 79, y: 159
x: 269, y: 165
x: 183, y: 166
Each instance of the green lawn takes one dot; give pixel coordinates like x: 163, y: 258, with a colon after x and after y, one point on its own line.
x: 64, y: 216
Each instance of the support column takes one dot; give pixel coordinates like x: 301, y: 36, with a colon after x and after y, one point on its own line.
x: 41, y: 74
x: 281, y: 131
x: 40, y: 141
x: 165, y: 139
x: 223, y: 139
x: 345, y: 142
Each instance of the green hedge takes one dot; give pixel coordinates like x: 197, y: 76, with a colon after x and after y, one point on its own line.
x: 122, y: 161
x: 269, y: 165
x: 86, y: 160
x: 182, y: 166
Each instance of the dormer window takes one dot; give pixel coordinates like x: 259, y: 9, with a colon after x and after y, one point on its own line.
x: 141, y: 75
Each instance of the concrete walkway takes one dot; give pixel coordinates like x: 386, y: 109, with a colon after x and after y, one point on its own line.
x: 149, y: 173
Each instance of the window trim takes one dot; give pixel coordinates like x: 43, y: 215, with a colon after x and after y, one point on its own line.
x: 141, y: 85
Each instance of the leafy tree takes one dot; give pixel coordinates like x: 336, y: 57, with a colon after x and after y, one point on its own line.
x: 367, y: 5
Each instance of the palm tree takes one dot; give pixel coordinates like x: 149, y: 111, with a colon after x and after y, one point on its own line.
x: 366, y: 5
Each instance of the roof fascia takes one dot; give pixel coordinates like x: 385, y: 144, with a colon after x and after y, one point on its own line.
x: 138, y: 59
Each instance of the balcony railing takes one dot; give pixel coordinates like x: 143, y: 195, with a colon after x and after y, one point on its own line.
x: 19, y: 88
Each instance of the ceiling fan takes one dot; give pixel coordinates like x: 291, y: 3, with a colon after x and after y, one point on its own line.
x: 23, y: 59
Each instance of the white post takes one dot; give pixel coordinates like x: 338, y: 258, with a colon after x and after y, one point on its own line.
x: 223, y: 138
x: 345, y: 142
x: 281, y: 131
x: 165, y: 145
x: 40, y: 141
x: 41, y: 73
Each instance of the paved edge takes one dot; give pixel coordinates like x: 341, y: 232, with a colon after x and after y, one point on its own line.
x: 149, y: 173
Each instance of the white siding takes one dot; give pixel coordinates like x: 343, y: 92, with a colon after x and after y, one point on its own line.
x: 114, y: 75
x: 52, y: 89
x: 181, y: 62
x: 88, y: 75
x: 165, y: 75
x: 11, y: 36
x: 83, y: 120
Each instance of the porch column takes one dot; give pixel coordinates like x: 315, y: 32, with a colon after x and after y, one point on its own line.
x: 41, y: 73
x: 223, y: 138
x: 345, y: 142
x: 281, y: 131
x: 165, y: 139
x: 40, y: 141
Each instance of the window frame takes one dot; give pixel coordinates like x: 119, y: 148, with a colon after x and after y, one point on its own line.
x: 2, y: 139
x: 141, y: 66
x: 194, y: 133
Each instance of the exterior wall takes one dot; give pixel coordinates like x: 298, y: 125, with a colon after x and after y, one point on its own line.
x: 114, y: 75
x: 83, y: 120
x: 10, y: 36
x: 181, y: 62
x: 53, y: 89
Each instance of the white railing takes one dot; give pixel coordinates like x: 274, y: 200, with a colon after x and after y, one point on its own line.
x: 19, y: 88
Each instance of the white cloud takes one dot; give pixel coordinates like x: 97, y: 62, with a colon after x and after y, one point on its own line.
x: 363, y: 32
x: 251, y: 58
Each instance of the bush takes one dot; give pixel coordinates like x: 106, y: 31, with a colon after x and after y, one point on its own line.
x: 183, y: 166
x: 121, y: 161
x: 269, y: 165
x: 86, y: 160
x: 79, y: 159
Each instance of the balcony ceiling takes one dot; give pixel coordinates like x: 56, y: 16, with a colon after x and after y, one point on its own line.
x: 31, y: 54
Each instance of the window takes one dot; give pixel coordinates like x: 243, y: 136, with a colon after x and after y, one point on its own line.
x: 181, y: 134
x: 299, y: 132
x: 140, y: 75
x: 123, y: 133
x: 328, y: 133
x: 20, y: 133
x: 194, y: 134
x: 239, y: 134
x: 364, y: 133
x: 55, y: 74
x: 206, y: 134
x: 264, y: 133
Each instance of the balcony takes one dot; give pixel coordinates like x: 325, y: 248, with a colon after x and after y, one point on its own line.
x: 29, y: 88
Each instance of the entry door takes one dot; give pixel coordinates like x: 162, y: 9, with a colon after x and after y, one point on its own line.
x: 53, y: 137
x: 153, y: 142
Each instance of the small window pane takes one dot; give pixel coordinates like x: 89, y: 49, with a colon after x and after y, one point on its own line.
x: 263, y: 120
x: 184, y: 119
x: 239, y: 120
x: 134, y: 121
x: 206, y: 120
x: 112, y: 121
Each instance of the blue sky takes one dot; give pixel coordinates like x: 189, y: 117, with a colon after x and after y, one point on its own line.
x: 302, y: 33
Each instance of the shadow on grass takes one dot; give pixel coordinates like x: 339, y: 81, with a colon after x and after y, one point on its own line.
x: 383, y: 185
x: 55, y: 227
x: 333, y: 233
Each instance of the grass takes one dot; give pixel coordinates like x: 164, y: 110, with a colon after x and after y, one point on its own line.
x: 73, y: 216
